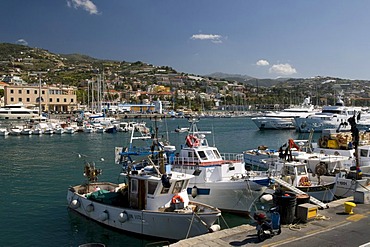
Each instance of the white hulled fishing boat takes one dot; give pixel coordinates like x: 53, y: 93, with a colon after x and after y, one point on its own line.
x: 150, y: 201
x: 220, y: 179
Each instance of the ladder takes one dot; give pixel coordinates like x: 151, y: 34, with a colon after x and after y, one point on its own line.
x: 300, y: 192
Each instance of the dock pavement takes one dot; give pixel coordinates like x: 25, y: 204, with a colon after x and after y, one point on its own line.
x: 331, y: 227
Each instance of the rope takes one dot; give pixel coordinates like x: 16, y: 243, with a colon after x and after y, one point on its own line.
x: 366, y: 188
x: 321, y: 217
x: 222, y: 217
x: 191, y: 222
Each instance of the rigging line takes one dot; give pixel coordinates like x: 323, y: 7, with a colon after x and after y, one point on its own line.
x: 222, y: 217
x: 213, y: 135
x: 191, y: 223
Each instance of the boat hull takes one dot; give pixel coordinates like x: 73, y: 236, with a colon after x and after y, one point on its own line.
x: 324, y: 193
x: 235, y: 197
x: 273, y: 123
x: 162, y: 224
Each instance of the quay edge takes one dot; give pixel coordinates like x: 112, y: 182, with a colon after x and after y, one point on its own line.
x: 327, y: 220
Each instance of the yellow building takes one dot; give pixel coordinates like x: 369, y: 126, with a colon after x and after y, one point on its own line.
x: 53, y: 98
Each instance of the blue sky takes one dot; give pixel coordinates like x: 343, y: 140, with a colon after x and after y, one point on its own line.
x: 259, y: 38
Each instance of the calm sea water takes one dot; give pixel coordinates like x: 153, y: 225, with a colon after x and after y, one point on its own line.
x: 37, y: 170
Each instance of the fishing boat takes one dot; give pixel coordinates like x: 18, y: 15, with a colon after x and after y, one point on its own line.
x: 296, y: 174
x: 220, y: 180
x: 149, y: 202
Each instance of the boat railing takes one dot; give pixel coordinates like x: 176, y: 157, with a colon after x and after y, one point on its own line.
x: 233, y: 156
x: 186, y: 160
x: 195, y: 160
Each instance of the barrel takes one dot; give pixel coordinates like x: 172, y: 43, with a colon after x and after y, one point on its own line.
x: 286, y: 203
x: 301, y: 199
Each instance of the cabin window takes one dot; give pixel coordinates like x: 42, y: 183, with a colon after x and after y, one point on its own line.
x: 290, y: 170
x: 210, y: 154
x: 301, y: 170
x: 202, y: 155
x: 364, y: 153
x: 134, y: 186
x: 178, y: 187
x: 152, y: 186
x: 191, y: 156
x: 217, y: 154
x: 165, y: 190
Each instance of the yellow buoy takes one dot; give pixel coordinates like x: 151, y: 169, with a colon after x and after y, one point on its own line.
x: 348, y: 207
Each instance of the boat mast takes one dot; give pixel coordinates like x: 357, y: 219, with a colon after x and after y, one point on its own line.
x: 40, y: 95
x: 39, y: 98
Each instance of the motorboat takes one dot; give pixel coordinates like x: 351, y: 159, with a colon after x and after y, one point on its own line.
x: 15, y: 130
x: 220, y: 179
x: 149, y: 201
x: 284, y: 119
x: 296, y: 174
x: 59, y: 130
x: 26, y: 131
x: 69, y: 130
x: 17, y: 111
x: 181, y: 129
x: 110, y: 129
x: 4, y: 132
x: 88, y: 128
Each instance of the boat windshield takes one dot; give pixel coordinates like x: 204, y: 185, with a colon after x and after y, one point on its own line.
x: 301, y: 170
x: 178, y: 186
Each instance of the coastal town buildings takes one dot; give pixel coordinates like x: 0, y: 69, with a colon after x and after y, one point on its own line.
x: 54, y: 98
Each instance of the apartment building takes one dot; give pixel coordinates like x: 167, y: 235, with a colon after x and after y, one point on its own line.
x: 53, y: 98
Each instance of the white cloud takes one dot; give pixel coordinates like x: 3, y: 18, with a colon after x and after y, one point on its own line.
x: 87, y: 5
x: 215, y: 38
x: 21, y: 42
x: 282, y: 69
x: 262, y: 62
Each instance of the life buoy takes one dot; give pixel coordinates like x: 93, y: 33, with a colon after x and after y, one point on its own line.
x: 293, y: 144
x: 192, y: 141
x: 176, y: 199
x: 304, y: 181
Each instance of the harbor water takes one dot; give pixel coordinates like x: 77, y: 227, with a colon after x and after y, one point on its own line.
x: 36, y: 172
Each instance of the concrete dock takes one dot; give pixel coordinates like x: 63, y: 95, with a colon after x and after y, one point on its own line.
x: 331, y: 227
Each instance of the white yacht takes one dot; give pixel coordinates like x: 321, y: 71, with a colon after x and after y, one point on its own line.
x: 331, y: 117
x: 284, y: 119
x: 17, y: 111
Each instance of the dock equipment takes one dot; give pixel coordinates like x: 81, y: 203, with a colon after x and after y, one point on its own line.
x: 300, y: 192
